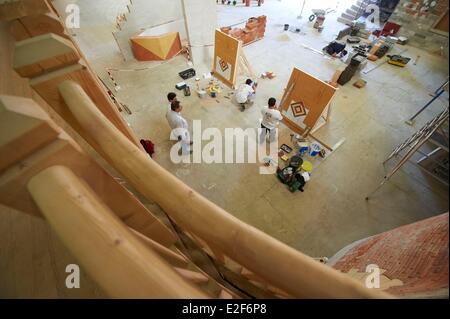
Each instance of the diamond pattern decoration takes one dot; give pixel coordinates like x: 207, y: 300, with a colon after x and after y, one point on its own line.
x: 298, y: 109
x: 223, y: 65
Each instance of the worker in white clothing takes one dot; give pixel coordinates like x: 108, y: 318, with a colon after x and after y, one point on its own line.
x: 246, y: 93
x: 171, y: 97
x: 180, y: 127
x: 271, y: 119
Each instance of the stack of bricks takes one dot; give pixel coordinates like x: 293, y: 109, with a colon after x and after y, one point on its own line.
x: 417, y: 18
x: 254, y: 30
x: 416, y: 254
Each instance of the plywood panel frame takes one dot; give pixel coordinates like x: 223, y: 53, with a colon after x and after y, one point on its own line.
x: 228, y: 49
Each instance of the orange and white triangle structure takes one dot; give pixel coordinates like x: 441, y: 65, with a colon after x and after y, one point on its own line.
x: 156, y: 48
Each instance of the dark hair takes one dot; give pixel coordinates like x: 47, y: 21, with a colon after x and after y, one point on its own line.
x: 175, y: 105
x: 272, y: 102
x: 171, y: 96
x: 248, y: 82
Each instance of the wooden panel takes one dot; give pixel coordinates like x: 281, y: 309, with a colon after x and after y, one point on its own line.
x: 35, y: 25
x: 226, y: 48
x: 21, y: 134
x: 64, y: 151
x: 128, y: 208
x: 170, y: 256
x: 32, y: 259
x: 441, y: 26
x: 315, y: 94
x: 11, y: 10
x: 47, y: 87
x: 122, y: 265
x: 43, y: 53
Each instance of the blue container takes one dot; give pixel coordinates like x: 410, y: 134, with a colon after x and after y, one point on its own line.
x: 315, y: 149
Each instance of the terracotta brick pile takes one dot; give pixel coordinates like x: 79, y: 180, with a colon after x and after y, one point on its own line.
x: 254, y: 30
x: 416, y: 254
x: 418, y: 8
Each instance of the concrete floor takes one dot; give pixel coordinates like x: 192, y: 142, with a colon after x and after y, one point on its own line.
x: 332, y: 212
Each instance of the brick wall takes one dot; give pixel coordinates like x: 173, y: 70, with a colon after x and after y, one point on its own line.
x: 416, y: 18
x: 416, y: 254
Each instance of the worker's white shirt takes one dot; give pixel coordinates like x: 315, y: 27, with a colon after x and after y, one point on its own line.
x: 169, y: 109
x: 271, y: 117
x: 176, y: 120
x: 243, y: 92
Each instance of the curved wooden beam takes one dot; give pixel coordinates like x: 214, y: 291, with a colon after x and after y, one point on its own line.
x: 275, y: 262
x: 121, y: 264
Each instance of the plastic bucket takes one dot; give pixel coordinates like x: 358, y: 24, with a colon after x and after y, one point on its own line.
x: 315, y: 149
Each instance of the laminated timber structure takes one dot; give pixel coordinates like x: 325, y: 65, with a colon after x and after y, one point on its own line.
x: 63, y: 143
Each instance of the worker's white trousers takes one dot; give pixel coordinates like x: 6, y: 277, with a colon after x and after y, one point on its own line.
x: 186, y: 143
x: 185, y: 140
x: 272, y: 135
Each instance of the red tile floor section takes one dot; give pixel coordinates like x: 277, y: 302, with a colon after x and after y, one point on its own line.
x: 417, y: 254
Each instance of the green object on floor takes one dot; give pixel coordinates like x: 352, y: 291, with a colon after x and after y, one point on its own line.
x: 293, y: 187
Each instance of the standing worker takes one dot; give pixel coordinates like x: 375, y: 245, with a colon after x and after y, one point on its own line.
x: 170, y: 97
x: 180, y: 127
x: 271, y: 119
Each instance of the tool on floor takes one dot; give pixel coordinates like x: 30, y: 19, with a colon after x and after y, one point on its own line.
x: 285, y: 148
x: 383, y: 63
x: 360, y: 84
x: 417, y: 60
x: 436, y: 95
x: 292, y: 175
x: 181, y: 86
x: 187, y: 91
x: 398, y: 60
x: 187, y: 74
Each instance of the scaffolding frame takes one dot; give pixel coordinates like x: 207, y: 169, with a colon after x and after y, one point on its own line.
x: 412, y: 145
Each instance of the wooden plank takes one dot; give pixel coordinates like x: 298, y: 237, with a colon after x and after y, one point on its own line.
x: 225, y: 295
x: 192, y: 276
x: 15, y: 9
x: 247, y: 64
x: 130, y: 210
x: 20, y: 133
x: 22, y: 235
x: 222, y: 79
x: 63, y: 150
x: 35, y: 25
x: 441, y: 24
x: 121, y: 264
x: 47, y: 87
x: 170, y: 256
x: 293, y: 126
x: 27, y: 243
x: 43, y: 53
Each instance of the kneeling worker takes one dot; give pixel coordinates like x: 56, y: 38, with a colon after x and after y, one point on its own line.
x: 246, y: 93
